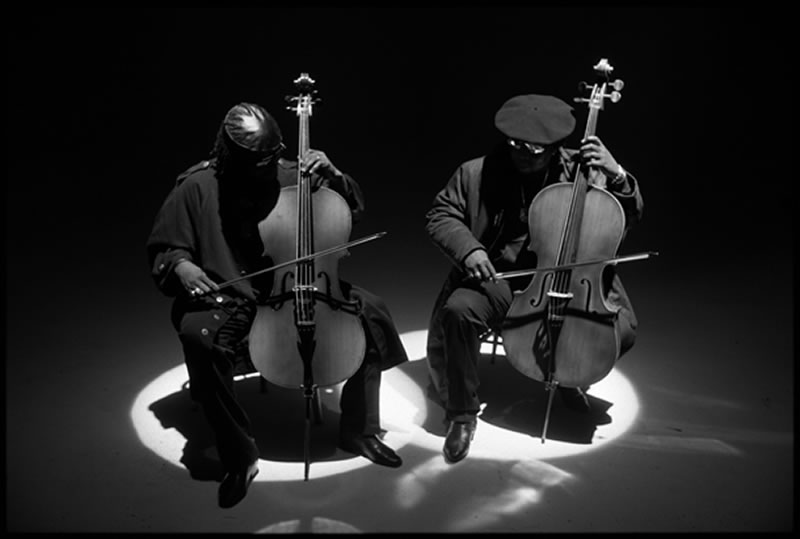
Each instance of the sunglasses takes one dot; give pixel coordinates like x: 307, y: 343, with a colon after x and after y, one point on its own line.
x: 266, y: 160
x: 533, y: 149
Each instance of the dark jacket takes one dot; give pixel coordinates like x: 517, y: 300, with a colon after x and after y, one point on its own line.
x: 468, y: 214
x: 191, y: 226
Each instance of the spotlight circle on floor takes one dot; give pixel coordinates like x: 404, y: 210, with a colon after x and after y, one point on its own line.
x: 403, y: 409
x: 497, y: 443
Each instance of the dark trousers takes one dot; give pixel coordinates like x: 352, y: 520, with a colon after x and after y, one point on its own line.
x: 470, y: 310
x: 467, y: 313
x: 211, y: 371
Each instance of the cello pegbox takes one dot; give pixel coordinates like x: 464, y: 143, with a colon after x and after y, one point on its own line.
x: 292, y: 100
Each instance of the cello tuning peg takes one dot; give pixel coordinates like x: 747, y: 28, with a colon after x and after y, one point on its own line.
x: 615, y: 96
x: 580, y: 99
x: 583, y: 86
x: 618, y: 84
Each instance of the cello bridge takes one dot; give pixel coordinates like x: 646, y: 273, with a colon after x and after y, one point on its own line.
x: 559, y: 295
x: 304, y: 288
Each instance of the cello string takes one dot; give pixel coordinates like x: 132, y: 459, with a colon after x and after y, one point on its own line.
x: 302, y: 299
x: 568, y: 243
x: 309, y: 248
x: 565, y: 247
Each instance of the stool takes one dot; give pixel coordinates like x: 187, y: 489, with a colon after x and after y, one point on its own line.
x: 493, y: 337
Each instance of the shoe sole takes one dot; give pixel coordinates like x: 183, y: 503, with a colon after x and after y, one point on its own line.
x: 246, y: 488
x: 453, y: 461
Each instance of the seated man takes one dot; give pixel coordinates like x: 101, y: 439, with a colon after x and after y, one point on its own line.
x: 206, y: 233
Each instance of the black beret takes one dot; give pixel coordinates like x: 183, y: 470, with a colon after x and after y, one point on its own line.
x: 538, y: 119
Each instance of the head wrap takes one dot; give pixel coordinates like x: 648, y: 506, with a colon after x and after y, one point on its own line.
x: 252, y: 128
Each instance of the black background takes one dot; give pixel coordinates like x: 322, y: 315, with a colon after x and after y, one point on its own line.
x: 106, y: 107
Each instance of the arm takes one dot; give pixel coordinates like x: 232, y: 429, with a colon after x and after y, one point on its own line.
x: 614, y: 177
x: 316, y: 162
x: 172, y: 239
x: 448, y: 221
x: 625, y: 187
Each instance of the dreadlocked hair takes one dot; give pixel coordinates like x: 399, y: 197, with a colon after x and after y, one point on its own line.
x: 220, y: 152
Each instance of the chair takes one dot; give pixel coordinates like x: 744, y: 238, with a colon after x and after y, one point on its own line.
x: 492, y: 336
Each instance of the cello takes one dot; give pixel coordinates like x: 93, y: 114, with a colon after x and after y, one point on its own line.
x: 561, y: 329
x: 306, y: 334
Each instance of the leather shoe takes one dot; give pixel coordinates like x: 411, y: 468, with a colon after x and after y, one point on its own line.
x: 459, y: 436
x: 372, y: 448
x: 234, y: 485
x: 575, y: 399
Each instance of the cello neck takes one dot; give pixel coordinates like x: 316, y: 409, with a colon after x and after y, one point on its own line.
x: 304, y: 277
x: 594, y: 114
x: 304, y: 216
x: 595, y: 103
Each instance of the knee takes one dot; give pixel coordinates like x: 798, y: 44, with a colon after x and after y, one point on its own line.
x: 376, y: 302
x: 627, y: 331
x: 455, y: 309
x: 196, y: 342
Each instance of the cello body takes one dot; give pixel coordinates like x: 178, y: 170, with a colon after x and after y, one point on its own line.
x: 340, y: 348
x: 561, y: 329
x: 588, y: 342
x: 306, y: 334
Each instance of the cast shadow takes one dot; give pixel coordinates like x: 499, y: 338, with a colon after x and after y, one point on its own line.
x: 517, y: 403
x: 278, y: 419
